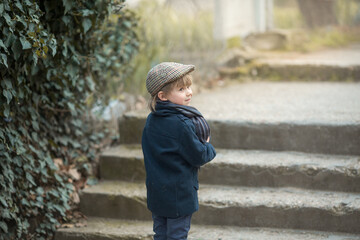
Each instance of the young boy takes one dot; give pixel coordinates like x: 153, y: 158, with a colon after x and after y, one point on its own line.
x: 175, y: 144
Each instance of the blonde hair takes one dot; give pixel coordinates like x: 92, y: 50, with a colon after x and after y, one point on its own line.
x: 184, y: 81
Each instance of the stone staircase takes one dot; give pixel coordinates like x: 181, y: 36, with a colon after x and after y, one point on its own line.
x: 276, y: 179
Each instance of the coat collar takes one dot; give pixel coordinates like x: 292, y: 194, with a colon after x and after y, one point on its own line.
x: 162, y: 109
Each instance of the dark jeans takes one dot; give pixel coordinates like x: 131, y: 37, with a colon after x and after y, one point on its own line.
x: 171, y: 228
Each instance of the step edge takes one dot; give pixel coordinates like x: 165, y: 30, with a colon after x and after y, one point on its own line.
x: 343, y: 197
x: 346, y: 162
x: 197, y: 227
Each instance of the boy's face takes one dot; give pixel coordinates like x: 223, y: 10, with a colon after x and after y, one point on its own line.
x: 180, y: 95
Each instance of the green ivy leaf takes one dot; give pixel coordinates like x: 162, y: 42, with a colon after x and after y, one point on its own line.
x: 7, y: 95
x: 6, y: 214
x: 76, y: 144
x: 3, y: 226
x: 8, y: 19
x: 66, y: 19
x: 2, y: 45
x: 18, y: 160
x: 67, y: 4
x: 7, y: 110
x: 25, y: 44
x: 19, y: 6
x: 34, y: 136
x: 3, y: 202
x: 33, y: 113
x: 28, y: 3
x: 20, y: 79
x: 35, y: 125
x: 20, y: 150
x: 87, y: 12
x: 23, y: 21
x: 16, y: 49
x: 25, y: 202
x: 4, y: 59
x: 40, y: 191
x: 8, y: 84
x: 57, y: 177
x: 71, y: 70
x: 7, y: 6
x: 59, y: 208
x: 35, y: 59
x: 86, y: 23
x: 71, y: 106
x: 10, y: 40
x: 50, y: 163
x: 53, y: 47
x: 30, y: 178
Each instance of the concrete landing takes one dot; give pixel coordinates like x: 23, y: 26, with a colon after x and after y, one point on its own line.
x: 283, y: 102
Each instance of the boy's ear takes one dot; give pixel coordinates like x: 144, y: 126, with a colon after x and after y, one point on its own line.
x: 162, y: 96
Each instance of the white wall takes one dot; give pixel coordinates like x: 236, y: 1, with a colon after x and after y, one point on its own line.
x: 241, y: 17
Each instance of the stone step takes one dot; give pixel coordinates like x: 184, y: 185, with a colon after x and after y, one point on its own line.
x: 327, y: 65
x: 314, y: 117
x: 292, y: 71
x: 249, y: 168
x: 283, y: 70
x: 341, y: 138
x: 288, y: 208
x: 111, y: 229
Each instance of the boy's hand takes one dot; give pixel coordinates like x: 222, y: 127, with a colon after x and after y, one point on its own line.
x: 208, y: 140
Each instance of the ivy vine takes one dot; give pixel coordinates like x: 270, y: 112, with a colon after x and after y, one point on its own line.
x: 56, y: 58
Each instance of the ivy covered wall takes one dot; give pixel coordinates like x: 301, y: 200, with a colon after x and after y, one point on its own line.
x: 55, y: 56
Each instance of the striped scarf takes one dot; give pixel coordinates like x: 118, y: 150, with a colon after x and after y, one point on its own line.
x: 201, y: 126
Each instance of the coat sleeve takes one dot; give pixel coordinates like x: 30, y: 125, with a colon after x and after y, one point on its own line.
x: 192, y: 150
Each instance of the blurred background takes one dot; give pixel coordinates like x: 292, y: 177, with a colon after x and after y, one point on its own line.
x: 201, y: 32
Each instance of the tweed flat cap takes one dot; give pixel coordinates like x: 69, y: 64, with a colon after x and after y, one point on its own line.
x: 164, y: 73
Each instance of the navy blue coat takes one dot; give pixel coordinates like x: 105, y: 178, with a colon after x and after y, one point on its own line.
x: 173, y: 154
